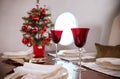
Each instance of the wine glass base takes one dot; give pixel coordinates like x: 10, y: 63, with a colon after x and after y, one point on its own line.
x: 56, y: 59
x: 80, y: 69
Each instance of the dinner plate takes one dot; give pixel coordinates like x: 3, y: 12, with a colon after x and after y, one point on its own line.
x: 69, y: 53
x: 17, y: 56
x: 17, y: 53
x: 109, y: 63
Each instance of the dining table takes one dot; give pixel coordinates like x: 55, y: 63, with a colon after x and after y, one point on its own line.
x: 7, y: 66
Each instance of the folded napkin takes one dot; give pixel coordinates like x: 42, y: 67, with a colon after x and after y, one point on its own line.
x: 109, y: 63
x: 37, y: 71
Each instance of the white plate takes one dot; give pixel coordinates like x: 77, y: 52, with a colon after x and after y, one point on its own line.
x: 17, y: 56
x: 109, y: 63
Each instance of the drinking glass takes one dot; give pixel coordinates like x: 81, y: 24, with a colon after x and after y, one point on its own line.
x: 80, y: 37
x: 56, y: 36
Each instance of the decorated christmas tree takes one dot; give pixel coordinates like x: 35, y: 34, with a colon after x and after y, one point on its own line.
x: 36, y: 26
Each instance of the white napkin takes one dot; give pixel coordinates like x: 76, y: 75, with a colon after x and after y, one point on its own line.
x: 37, y: 71
x: 17, y: 53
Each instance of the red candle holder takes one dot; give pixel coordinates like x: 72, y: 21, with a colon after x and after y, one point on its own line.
x: 38, y: 51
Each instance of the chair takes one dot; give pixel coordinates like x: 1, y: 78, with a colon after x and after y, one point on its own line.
x: 115, y: 32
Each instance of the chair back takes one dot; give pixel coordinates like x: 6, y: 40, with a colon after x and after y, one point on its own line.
x: 115, y: 32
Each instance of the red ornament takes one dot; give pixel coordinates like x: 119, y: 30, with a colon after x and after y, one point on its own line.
x: 42, y: 31
x: 46, y: 21
x: 35, y: 18
x: 34, y: 30
x: 43, y: 13
x: 45, y: 27
x: 33, y: 9
x: 29, y: 39
x: 41, y: 9
x: 25, y: 28
x: 25, y: 41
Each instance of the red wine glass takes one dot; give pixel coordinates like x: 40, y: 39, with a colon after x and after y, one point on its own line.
x: 56, y: 36
x: 80, y: 37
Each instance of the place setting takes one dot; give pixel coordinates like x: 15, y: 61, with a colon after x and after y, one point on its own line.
x: 19, y: 57
x: 107, y: 65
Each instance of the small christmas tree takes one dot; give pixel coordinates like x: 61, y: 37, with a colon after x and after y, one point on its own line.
x: 36, y: 26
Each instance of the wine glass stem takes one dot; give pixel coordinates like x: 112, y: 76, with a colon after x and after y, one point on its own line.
x: 80, y: 50
x: 56, y: 50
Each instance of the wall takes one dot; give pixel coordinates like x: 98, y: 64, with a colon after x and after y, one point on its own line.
x: 95, y: 14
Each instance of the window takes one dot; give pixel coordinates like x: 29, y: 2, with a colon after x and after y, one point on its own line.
x: 65, y: 22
